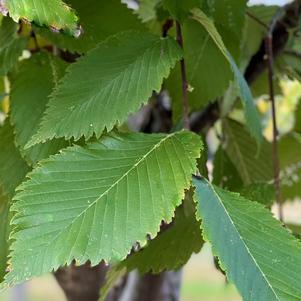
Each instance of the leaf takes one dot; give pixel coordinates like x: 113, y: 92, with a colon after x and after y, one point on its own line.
x: 263, y: 193
x: 258, y: 254
x: 208, y: 73
x: 102, y: 88
x: 30, y: 88
x: 12, y: 166
x: 225, y: 173
x: 147, y: 10
x: 251, y: 114
x: 112, y: 276
x: 99, y: 20
x: 54, y: 14
x: 3, y: 234
x: 11, y: 45
x: 180, y: 9
x: 172, y: 248
x: 229, y: 20
x: 252, y: 165
x: 298, y: 118
x: 290, y: 166
x: 254, y: 32
x: 12, y: 172
x: 95, y: 202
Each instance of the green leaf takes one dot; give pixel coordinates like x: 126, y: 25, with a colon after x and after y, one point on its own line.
x: 112, y: 276
x: 251, y: 114
x: 12, y: 172
x: 54, y: 14
x: 102, y: 88
x: 172, y: 248
x: 208, y: 73
x: 12, y: 166
x: 229, y: 19
x: 11, y: 45
x: 290, y: 166
x: 225, y: 173
x: 263, y: 193
x: 95, y: 202
x: 30, y: 89
x: 147, y: 10
x: 180, y: 9
x: 258, y: 254
x: 298, y: 118
x: 253, y: 165
x: 99, y: 20
x: 4, y: 208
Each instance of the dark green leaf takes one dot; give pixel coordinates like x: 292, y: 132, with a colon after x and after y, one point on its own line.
x: 257, y: 253
x: 252, y: 164
x: 251, y: 114
x: 99, y: 20
x: 30, y: 88
x: 11, y: 45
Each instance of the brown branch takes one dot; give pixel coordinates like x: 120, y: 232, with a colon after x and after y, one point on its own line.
x: 286, y: 20
x: 186, y: 122
x: 276, y: 165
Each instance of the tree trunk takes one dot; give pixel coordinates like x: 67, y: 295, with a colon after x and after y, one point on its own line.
x: 81, y: 283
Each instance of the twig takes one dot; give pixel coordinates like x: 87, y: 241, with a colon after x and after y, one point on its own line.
x: 186, y: 122
x: 34, y: 37
x: 269, y: 53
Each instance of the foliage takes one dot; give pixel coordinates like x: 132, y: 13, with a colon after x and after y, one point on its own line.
x: 78, y: 185
x: 247, y: 230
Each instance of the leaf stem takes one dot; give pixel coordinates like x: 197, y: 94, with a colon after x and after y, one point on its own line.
x: 276, y: 165
x: 186, y: 124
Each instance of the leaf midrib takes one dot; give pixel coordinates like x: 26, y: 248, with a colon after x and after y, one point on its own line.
x: 112, y: 80
x: 113, y: 185
x: 244, y: 243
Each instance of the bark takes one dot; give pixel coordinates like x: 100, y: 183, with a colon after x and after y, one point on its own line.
x: 81, y: 283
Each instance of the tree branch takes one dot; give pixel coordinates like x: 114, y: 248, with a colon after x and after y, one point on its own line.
x: 276, y: 165
x: 186, y: 122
